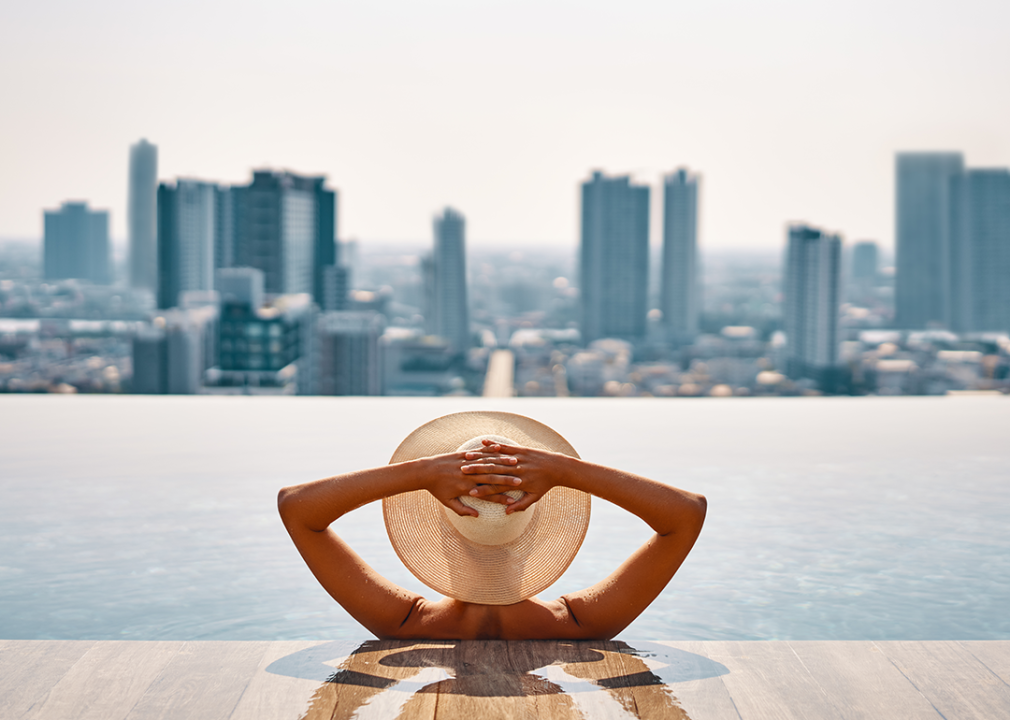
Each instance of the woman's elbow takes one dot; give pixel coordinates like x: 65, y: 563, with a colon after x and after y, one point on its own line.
x: 690, y: 516
x: 700, y: 510
x: 285, y: 502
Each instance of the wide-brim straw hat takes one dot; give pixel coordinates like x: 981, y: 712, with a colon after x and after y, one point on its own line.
x: 428, y: 542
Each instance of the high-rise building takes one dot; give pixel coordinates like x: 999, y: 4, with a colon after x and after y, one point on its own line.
x: 328, y: 278
x: 813, y: 264
x: 349, y: 362
x: 187, y: 239
x: 449, y: 310
x: 980, y: 261
x: 679, y: 299
x: 925, y: 249
x: 336, y: 286
x: 76, y: 244
x: 224, y: 227
x: 865, y: 262
x: 285, y: 225
x: 264, y: 342
x: 265, y: 339
x: 864, y: 273
x: 141, y: 216
x: 614, y: 258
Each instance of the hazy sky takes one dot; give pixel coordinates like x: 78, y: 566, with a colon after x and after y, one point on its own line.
x: 789, y: 110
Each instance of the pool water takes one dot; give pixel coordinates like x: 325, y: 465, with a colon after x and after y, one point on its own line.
x: 829, y: 518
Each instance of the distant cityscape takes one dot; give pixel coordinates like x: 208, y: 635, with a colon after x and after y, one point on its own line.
x: 250, y: 289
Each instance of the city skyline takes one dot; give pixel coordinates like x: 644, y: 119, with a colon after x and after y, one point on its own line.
x: 713, y: 88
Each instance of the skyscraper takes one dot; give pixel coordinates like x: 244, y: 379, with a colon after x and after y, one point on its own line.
x: 980, y: 266
x: 865, y: 262
x: 925, y: 253
x: 187, y: 234
x: 141, y: 216
x: 76, y: 244
x: 863, y: 273
x: 326, y: 271
x: 679, y: 287
x: 448, y: 302
x: 813, y: 262
x: 614, y: 258
x: 224, y: 227
x: 285, y: 225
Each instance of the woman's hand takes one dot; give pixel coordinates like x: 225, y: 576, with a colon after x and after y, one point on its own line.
x: 509, y: 467
x: 447, y: 480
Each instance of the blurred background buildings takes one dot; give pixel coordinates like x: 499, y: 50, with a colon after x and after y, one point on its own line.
x: 249, y: 288
x: 447, y: 306
x: 614, y: 258
x: 141, y: 217
x: 76, y: 244
x: 811, y: 298
x: 679, y: 299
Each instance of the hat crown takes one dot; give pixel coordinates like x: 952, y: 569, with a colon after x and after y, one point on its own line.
x: 492, y: 526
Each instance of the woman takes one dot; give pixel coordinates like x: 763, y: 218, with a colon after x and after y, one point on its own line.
x: 489, y: 509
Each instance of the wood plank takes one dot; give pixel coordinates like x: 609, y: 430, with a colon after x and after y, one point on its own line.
x: 767, y: 680
x: 486, y: 682
x: 274, y: 695
x: 858, y: 681
x: 383, y: 679
x: 951, y: 678
x: 498, y: 680
x: 204, y: 679
x: 994, y: 654
x: 106, y: 682
x: 630, y: 689
x: 30, y: 668
x: 593, y: 680
x: 337, y: 686
x: 535, y: 660
x: 693, y: 678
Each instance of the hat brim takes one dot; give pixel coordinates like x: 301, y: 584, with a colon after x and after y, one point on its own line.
x: 440, y: 557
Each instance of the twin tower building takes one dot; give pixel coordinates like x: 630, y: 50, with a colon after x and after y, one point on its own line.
x: 614, y: 258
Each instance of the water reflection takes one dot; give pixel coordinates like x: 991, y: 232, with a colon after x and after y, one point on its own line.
x: 490, y: 679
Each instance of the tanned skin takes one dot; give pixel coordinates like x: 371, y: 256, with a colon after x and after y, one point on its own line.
x: 597, y: 613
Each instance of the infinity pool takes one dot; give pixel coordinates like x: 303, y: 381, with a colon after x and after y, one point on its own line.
x: 829, y: 518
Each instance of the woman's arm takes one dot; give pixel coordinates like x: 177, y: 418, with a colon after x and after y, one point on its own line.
x: 676, y: 516
x: 308, y: 510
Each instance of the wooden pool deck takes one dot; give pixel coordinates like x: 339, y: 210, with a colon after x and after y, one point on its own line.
x: 109, y: 680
